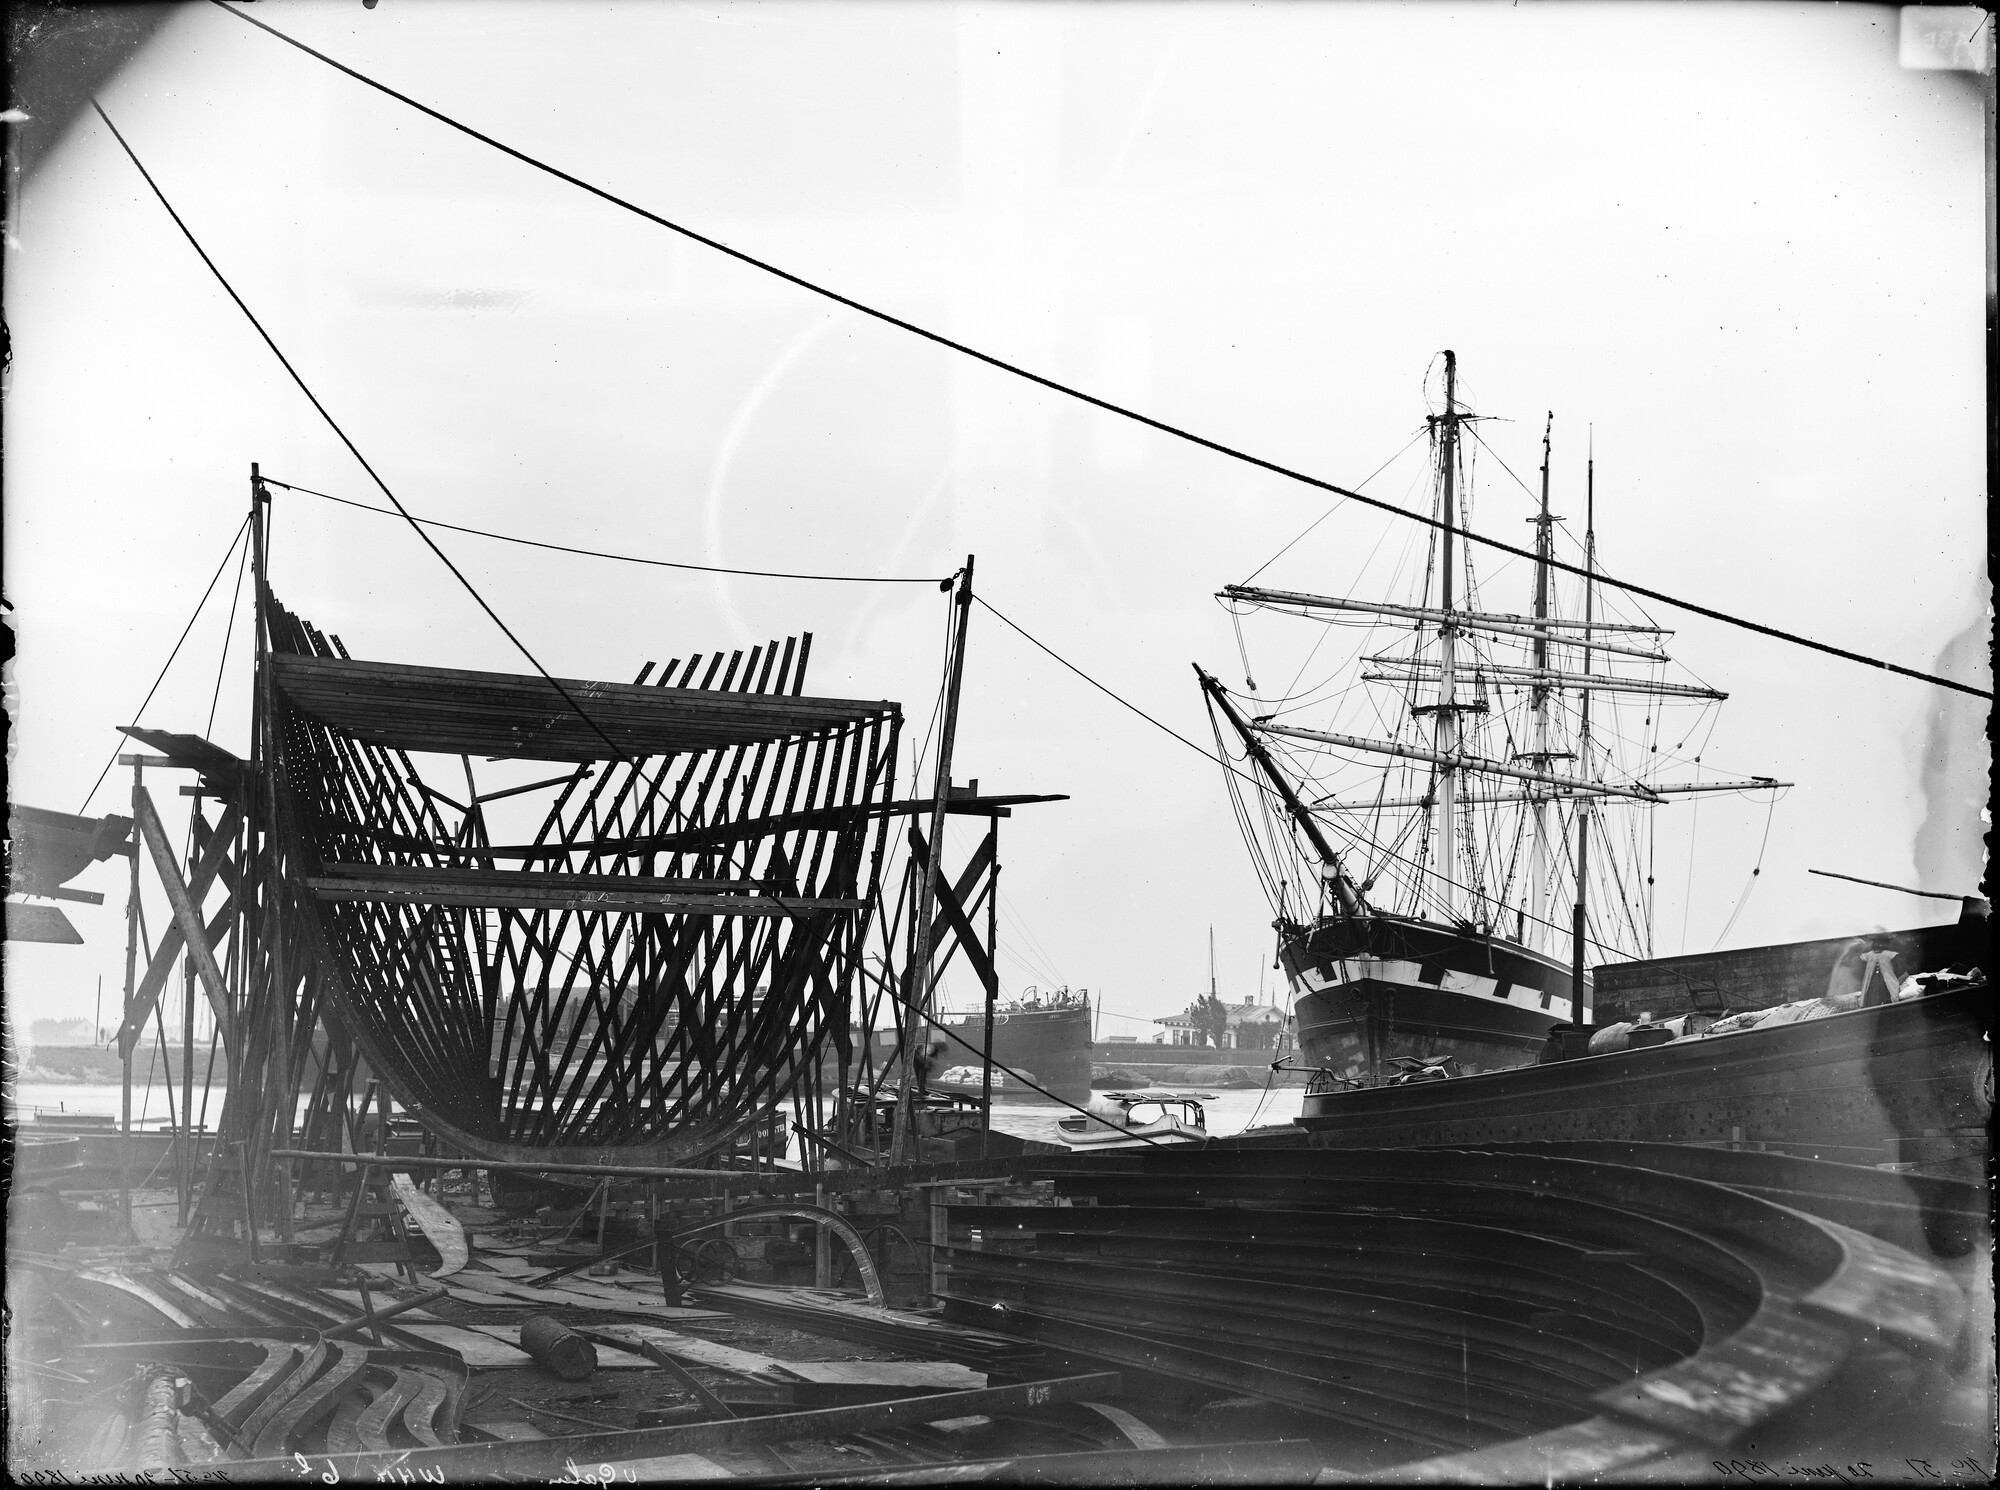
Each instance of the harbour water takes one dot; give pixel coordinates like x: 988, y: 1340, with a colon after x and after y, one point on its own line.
x: 32, y: 1099
x: 1230, y: 1112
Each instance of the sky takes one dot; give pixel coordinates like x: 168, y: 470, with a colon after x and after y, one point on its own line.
x: 1736, y: 249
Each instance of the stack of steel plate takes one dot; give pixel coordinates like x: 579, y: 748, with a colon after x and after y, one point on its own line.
x: 1583, y: 1306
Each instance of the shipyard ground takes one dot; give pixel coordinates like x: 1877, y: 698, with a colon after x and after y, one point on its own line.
x: 1262, y: 1311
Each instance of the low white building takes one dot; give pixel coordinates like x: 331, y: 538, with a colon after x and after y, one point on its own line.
x: 1252, y: 1026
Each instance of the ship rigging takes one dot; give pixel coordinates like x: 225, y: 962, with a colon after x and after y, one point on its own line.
x: 1436, y: 887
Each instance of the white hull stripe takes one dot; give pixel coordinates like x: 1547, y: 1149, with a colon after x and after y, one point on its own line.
x: 1404, y: 975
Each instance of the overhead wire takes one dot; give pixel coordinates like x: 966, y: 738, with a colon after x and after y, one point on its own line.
x: 1417, y: 435
x: 161, y: 678
x: 1164, y: 728
x: 592, y: 553
x: 1065, y: 389
x: 228, y: 630
x: 352, y: 448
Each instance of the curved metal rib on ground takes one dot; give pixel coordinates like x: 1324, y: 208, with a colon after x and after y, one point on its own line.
x: 314, y: 1401
x: 857, y: 1247
x: 654, y: 984
x: 1527, y: 1313
x: 271, y: 1389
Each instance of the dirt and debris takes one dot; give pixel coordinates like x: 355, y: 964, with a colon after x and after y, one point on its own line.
x: 145, y: 1360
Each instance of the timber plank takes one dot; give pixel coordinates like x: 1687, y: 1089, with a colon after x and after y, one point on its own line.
x: 688, y: 1349
x: 485, y: 1289
x: 944, y: 1375
x: 479, y: 1351
x: 609, y: 1358
x: 435, y: 1221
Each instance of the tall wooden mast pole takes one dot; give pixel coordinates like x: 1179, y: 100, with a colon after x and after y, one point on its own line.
x: 1579, y: 922
x: 261, y: 948
x: 1539, y: 865
x: 915, y: 1024
x: 1447, y: 704
x: 131, y: 984
x: 992, y: 985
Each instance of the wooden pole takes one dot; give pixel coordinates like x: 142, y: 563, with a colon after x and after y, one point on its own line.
x: 1579, y: 923
x: 187, y: 1070
x: 131, y: 986
x: 1447, y: 705
x: 915, y: 1027
x: 1539, y: 862
x: 940, y: 1234
x: 253, y: 1115
x: 822, y: 1250
x: 992, y: 982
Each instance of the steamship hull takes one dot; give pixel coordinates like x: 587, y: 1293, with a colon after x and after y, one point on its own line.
x: 1375, y: 987
x: 1050, y: 1046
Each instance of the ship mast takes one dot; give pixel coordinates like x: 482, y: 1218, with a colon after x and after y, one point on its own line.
x: 1447, y: 704
x: 1579, y: 1015
x: 1539, y: 863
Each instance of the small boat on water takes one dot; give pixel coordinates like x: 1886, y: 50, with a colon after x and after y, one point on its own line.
x: 970, y: 1081
x: 1141, y: 1119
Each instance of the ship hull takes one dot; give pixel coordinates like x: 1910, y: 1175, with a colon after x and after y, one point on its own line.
x: 1050, y: 1046
x: 1372, y: 988
x: 1910, y: 1082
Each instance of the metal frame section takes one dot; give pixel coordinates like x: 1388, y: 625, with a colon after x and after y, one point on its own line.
x: 1509, y: 1309
x: 682, y: 950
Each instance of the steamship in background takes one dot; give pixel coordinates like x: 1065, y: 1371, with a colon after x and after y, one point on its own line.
x: 1044, y: 1036
x: 1440, y: 891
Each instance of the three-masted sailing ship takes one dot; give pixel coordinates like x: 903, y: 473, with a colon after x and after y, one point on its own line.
x: 1442, y: 885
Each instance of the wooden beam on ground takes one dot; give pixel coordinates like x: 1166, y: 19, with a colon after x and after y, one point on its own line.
x: 371, y: 1316
x: 549, y: 1456
x: 1276, y: 1462
x: 716, y: 1407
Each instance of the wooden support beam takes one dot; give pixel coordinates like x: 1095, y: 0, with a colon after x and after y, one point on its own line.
x: 951, y: 909
x: 532, y: 879
x: 186, y: 915
x: 416, y: 890
x: 171, y: 941
x: 371, y: 1316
